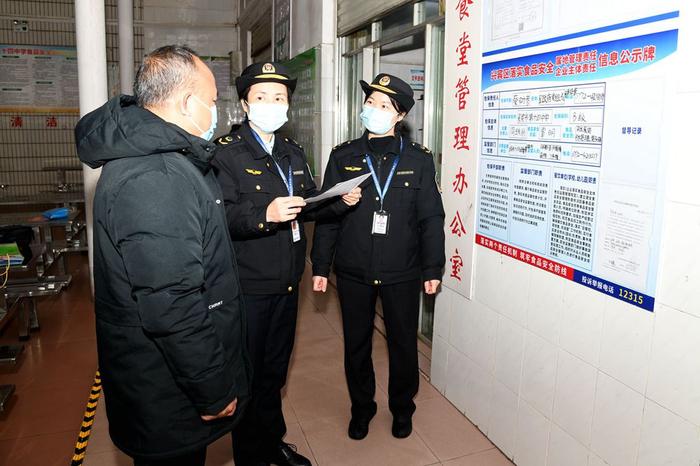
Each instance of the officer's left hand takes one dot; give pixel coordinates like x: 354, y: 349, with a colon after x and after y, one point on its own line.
x: 431, y: 286
x: 353, y: 197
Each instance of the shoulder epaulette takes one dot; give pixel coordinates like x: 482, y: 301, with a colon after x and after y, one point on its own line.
x: 342, y: 144
x: 228, y: 139
x: 293, y: 142
x: 421, y: 148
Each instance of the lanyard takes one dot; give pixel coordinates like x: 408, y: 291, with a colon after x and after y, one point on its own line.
x: 288, y: 182
x: 382, y: 191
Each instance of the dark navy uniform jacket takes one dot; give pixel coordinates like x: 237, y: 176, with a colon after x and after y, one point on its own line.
x: 269, y: 261
x: 415, y: 244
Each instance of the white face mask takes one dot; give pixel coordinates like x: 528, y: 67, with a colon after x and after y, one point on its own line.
x: 268, y: 117
x: 208, y: 134
x: 377, y: 121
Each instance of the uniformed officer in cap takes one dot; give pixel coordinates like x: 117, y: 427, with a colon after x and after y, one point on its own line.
x: 390, y: 245
x: 264, y: 178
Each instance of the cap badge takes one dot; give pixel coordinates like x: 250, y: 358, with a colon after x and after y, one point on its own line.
x: 268, y: 68
x: 385, y: 80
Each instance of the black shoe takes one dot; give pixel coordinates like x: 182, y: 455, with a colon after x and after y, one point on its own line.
x: 401, y: 428
x: 286, y: 455
x: 359, y: 426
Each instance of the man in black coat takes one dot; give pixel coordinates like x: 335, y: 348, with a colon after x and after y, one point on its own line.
x: 170, y: 323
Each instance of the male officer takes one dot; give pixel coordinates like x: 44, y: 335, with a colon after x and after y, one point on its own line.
x: 264, y: 178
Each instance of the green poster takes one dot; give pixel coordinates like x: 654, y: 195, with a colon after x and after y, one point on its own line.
x: 305, y: 104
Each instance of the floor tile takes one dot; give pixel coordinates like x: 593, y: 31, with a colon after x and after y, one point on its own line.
x: 328, y: 440
x: 41, y: 450
x: 491, y: 457
x: 447, y: 433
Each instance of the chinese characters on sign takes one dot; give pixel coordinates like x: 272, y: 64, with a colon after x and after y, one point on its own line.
x: 569, y: 161
x: 457, y: 264
x: 38, y: 79
x: 459, y: 163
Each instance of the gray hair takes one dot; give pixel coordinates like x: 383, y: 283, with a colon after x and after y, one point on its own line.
x: 163, y: 72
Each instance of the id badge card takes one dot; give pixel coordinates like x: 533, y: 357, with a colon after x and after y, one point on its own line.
x: 296, y: 232
x: 380, y: 223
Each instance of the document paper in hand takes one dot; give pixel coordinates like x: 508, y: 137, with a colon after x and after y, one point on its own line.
x: 340, y: 189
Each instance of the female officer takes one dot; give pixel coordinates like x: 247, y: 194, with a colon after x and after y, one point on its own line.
x: 264, y: 178
x: 387, y: 246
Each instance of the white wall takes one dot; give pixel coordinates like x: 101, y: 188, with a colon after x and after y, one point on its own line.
x: 557, y: 374
x: 205, y: 25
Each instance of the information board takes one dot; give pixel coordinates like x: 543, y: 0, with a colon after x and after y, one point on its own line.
x: 38, y: 79
x: 571, y: 155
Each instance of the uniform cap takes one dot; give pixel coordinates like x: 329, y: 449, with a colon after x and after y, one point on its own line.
x: 264, y: 73
x: 392, y: 86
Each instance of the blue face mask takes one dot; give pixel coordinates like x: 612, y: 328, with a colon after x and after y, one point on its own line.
x: 208, y: 134
x: 268, y: 117
x: 376, y: 121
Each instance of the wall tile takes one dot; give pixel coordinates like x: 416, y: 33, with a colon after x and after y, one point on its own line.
x: 478, y: 394
x: 539, y: 369
x: 443, y: 313
x: 626, y: 343
x: 504, y: 417
x: 575, y: 396
x: 532, y: 436
x: 582, y: 322
x: 679, y: 281
x: 544, y: 304
x: 457, y: 388
x: 617, y: 421
x: 667, y: 439
x: 511, y: 300
x: 674, y: 374
x: 510, y: 347
x: 439, y: 364
x: 480, y: 343
x: 564, y: 450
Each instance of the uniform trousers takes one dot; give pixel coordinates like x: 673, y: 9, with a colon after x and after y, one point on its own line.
x: 400, y: 303
x: 271, y: 326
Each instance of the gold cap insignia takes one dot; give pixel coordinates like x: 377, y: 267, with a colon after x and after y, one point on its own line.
x: 385, y: 80
x: 268, y: 68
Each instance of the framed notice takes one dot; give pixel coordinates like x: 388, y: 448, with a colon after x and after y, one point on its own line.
x: 572, y: 156
x: 38, y: 79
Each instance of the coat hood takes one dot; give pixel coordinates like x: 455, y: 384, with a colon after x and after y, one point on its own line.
x: 121, y: 129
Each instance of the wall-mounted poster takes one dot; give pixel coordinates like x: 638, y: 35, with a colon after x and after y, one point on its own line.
x: 305, y: 106
x: 38, y: 79
x: 572, y: 158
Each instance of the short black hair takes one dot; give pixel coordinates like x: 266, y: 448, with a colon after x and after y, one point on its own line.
x: 162, y: 72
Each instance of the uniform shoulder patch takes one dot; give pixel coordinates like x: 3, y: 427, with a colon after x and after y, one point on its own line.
x: 228, y: 139
x: 421, y: 148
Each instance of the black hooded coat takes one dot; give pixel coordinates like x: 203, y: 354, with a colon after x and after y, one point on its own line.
x: 169, y: 316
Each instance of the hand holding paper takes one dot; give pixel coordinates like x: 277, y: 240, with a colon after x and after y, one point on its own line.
x: 353, y: 197
x: 344, y: 187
